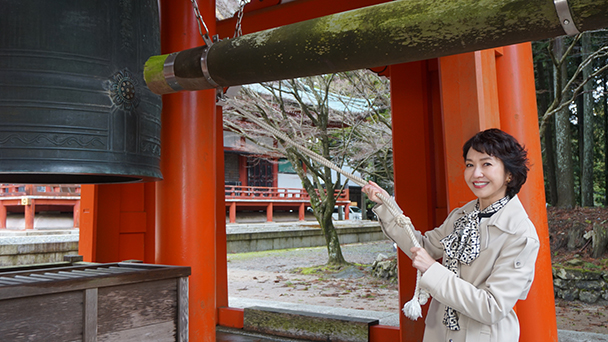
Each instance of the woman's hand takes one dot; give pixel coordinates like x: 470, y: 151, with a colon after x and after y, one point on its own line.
x: 371, y: 189
x: 421, y: 259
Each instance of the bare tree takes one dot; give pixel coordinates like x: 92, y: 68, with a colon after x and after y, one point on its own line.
x: 568, y: 87
x: 305, y: 110
x: 371, y: 151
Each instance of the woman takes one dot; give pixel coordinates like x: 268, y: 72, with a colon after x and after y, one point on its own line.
x: 489, y: 247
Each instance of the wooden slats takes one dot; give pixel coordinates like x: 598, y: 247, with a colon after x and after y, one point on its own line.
x: 62, y: 275
x: 95, y: 303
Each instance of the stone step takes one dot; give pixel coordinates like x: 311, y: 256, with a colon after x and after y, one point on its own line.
x: 310, y: 326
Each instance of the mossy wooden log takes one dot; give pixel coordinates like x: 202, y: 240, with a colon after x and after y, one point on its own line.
x: 384, y: 34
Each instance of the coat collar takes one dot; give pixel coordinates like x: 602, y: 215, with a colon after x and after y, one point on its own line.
x: 505, y: 219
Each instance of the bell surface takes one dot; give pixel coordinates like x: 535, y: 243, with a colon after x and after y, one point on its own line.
x: 74, y: 107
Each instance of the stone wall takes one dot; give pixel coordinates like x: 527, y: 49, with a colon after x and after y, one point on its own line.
x: 37, y: 252
x: 256, y: 238
x: 580, y: 284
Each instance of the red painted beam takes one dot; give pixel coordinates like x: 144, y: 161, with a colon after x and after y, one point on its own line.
x: 289, y: 13
x: 231, y: 317
x: 383, y: 333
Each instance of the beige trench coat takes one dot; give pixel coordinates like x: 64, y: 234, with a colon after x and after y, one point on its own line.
x: 488, y: 289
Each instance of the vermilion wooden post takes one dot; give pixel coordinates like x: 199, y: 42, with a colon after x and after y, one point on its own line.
x: 347, y: 211
x: 87, y: 242
x: 301, y: 212
x: 221, y: 238
x: 469, y: 105
x: 232, y: 212
x: 518, y: 109
x: 269, y: 209
x: 2, y: 215
x: 30, y: 208
x: 413, y: 183
x: 187, y: 196
x: 76, y: 214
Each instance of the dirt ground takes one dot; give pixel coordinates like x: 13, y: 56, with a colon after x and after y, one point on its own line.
x: 271, y: 275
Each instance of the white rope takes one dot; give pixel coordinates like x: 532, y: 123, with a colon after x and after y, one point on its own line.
x: 411, y: 309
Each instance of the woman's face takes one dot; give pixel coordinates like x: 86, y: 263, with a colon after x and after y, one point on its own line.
x: 486, y: 177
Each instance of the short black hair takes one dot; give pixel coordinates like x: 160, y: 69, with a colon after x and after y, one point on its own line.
x: 505, y: 147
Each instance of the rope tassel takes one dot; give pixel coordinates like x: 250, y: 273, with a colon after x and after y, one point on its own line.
x: 411, y: 309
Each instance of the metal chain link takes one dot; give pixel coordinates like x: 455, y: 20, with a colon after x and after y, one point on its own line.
x: 199, y: 21
x: 237, y: 30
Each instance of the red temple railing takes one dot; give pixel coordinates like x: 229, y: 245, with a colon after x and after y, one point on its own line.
x: 27, y: 198
x: 264, y: 193
x: 267, y: 198
x: 7, y: 190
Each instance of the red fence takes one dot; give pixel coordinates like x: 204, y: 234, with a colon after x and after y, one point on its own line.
x: 267, y: 198
x: 39, y: 190
x: 276, y: 194
x: 28, y: 198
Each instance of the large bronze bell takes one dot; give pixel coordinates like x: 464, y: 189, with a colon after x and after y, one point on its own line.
x: 74, y: 107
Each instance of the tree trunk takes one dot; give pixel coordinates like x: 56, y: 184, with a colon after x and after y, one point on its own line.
x: 551, y: 169
x: 605, y: 140
x: 323, y: 206
x: 563, y: 143
x: 334, y: 250
x: 543, y: 84
x: 587, y: 143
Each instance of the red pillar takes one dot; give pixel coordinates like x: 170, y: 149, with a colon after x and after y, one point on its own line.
x: 30, y: 208
x: 469, y: 105
x: 187, y: 196
x: 87, y: 245
x: 413, y: 185
x: 519, y: 118
x: 347, y: 211
x: 2, y: 215
x: 76, y: 214
x: 233, y: 212
x: 269, y: 209
x: 302, y: 212
x: 220, y: 229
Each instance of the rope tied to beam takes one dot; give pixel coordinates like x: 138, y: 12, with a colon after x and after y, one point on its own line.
x: 411, y: 309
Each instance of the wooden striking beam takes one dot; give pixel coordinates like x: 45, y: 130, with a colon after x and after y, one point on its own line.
x: 384, y: 34
x: 259, y: 19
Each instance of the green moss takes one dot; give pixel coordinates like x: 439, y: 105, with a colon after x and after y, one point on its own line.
x: 154, y: 76
x: 322, y: 269
x: 306, y: 326
x: 153, y: 69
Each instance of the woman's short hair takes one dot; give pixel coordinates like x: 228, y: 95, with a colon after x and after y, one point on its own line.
x: 503, y: 146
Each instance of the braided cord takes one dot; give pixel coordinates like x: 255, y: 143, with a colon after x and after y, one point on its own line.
x: 412, y: 308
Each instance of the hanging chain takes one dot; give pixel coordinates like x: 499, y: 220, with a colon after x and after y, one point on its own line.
x: 237, y: 30
x: 199, y: 21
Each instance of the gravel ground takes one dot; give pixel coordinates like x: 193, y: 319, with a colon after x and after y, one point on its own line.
x: 269, y: 275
